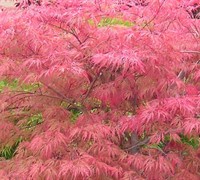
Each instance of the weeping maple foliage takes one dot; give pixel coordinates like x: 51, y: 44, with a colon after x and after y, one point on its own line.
x: 103, y: 89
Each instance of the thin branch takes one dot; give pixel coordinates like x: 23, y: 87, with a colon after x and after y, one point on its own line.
x: 154, y: 15
x: 181, y: 74
x: 29, y: 94
x: 19, y: 94
x: 39, y: 88
x: 159, y: 149
x: 141, y: 143
x: 32, y: 93
x: 58, y: 93
x: 190, y: 51
x: 59, y: 27
x: 73, y: 32
x: 8, y: 106
x: 91, y: 86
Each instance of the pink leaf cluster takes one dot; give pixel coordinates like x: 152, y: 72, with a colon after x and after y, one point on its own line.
x: 104, y: 101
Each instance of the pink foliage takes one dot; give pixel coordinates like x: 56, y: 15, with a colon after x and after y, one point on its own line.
x: 107, y: 100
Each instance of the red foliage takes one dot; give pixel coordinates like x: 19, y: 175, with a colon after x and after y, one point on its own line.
x: 116, y: 100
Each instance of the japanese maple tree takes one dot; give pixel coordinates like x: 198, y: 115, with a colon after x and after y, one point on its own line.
x: 104, y: 89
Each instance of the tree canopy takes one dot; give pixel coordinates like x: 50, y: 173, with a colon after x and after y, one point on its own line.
x: 100, y: 89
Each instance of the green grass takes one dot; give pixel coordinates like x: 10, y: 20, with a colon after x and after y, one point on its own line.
x: 114, y: 21
x: 8, y: 151
x: 107, y: 21
x: 34, y: 120
x: 14, y: 85
x: 193, y: 141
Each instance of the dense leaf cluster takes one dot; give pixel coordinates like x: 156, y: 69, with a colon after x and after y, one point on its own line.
x: 98, y: 89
